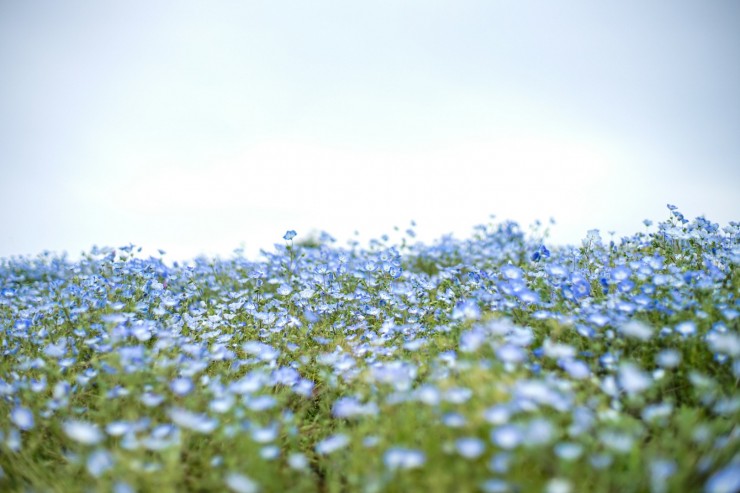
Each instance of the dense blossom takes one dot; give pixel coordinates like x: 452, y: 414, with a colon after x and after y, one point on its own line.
x: 494, y: 363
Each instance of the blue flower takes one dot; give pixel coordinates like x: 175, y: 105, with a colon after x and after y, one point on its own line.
x: 495, y: 486
x: 121, y: 487
x: 576, y: 368
x: 507, y: 436
x: 528, y: 296
x: 182, y: 386
x: 332, y: 444
x: 100, y: 461
x: 725, y: 480
x: 265, y: 434
x: 686, y: 328
x: 540, y: 253
x: 466, y: 310
x: 239, y: 483
x: 620, y: 273
x: 568, y: 451
x: 82, y: 432
x: 347, y: 407
x: 470, y: 447
x: 22, y: 417
x: 298, y: 461
x: 199, y: 423
x: 579, y: 288
x: 260, y: 402
x: 633, y: 379
x: 403, y: 458
x: 289, y: 235
x: 512, y: 272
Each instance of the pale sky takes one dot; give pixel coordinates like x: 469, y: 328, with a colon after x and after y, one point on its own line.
x: 197, y: 127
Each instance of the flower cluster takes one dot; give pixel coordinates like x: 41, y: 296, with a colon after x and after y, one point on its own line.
x: 495, y: 364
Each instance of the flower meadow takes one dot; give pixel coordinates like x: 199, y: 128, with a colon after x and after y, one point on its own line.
x: 497, y: 363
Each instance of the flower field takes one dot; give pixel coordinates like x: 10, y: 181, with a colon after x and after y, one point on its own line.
x: 497, y: 363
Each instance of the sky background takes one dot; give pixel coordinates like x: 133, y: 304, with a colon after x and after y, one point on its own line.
x: 199, y: 127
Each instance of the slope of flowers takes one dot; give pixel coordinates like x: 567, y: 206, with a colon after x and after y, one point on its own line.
x: 493, y: 364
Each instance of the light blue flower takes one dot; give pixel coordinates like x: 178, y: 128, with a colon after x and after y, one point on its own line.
x: 270, y: 452
x: 660, y: 471
x: 568, y: 451
x: 687, y: 328
x: 181, y: 386
x: 633, y: 379
x: 22, y: 417
x: 472, y: 340
x: 470, y: 447
x: 576, y: 368
x: 239, y: 483
x: 498, y: 414
x: 265, y: 434
x: 332, y: 444
x: 668, y: 358
x: 617, y: 441
x: 637, y: 330
x: 509, y: 353
x: 507, y: 436
x: 496, y: 486
x: 82, y: 432
x: 99, y: 461
x: 580, y: 287
x: 222, y: 404
x: 620, y: 273
x: 539, y: 431
x: 726, y: 480
x: 122, y: 487
x: 298, y: 461
x: 512, y: 272
x: 260, y: 402
x: 118, y: 428
x: 348, y: 407
x: 200, y: 423
x: 150, y: 399
x: 454, y: 420
x: 403, y: 458
x: 466, y: 310
x: 13, y: 440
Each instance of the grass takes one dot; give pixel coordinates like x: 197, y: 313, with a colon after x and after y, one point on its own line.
x: 497, y: 363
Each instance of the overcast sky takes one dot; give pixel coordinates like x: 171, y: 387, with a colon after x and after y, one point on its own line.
x: 197, y: 127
